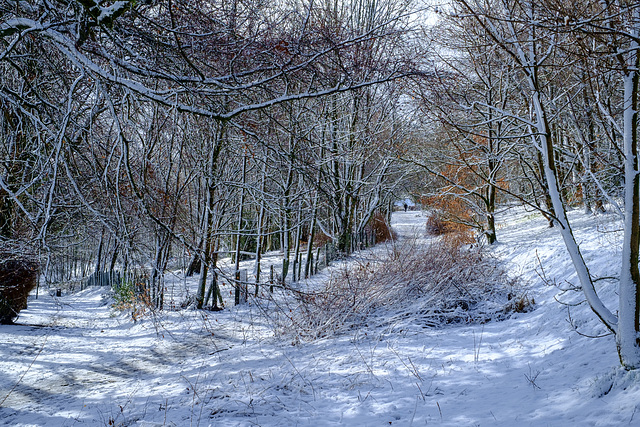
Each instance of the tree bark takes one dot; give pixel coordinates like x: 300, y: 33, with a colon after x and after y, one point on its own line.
x: 238, y: 287
x: 628, y: 338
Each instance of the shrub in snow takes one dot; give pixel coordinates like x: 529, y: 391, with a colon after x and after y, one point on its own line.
x: 17, y: 278
x: 435, y: 225
x: 132, y: 296
x: 431, y: 286
x: 380, y: 229
x: 456, y: 233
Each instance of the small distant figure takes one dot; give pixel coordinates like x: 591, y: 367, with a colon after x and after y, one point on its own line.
x: 405, y: 206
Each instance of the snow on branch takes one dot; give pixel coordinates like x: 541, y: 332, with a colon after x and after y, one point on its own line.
x: 108, y: 14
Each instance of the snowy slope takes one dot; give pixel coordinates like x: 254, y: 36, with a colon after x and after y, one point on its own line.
x: 75, y: 361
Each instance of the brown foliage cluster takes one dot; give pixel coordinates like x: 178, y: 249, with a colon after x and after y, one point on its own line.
x: 321, y: 239
x: 17, y: 278
x: 380, y: 228
x: 450, y: 218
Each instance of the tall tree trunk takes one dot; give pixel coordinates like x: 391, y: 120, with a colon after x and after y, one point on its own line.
x: 628, y: 338
x: 98, y: 267
x: 548, y: 203
x: 286, y: 225
x: 6, y: 212
x: 490, y: 200
x: 546, y: 145
x: 490, y: 232
x: 163, y: 246
x: 208, y: 244
x: 238, y: 287
x: 261, y: 217
x: 296, y: 251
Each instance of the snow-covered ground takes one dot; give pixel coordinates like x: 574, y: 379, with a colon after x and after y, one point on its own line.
x: 73, y: 360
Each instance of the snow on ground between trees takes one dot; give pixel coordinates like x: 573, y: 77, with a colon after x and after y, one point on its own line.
x: 73, y: 360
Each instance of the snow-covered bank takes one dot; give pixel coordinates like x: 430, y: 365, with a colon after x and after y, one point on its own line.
x: 76, y: 362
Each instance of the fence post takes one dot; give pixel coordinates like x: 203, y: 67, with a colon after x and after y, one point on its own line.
x: 285, y: 270
x: 244, y: 287
x: 309, y: 264
x: 257, y: 288
x: 271, y: 278
x: 295, y: 268
x: 237, y: 290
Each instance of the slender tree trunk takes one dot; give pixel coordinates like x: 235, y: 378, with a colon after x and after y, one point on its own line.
x: 579, y: 264
x: 286, y: 226
x: 628, y: 337
x: 590, y: 192
x: 261, y: 217
x: 208, y: 244
x: 6, y: 212
x: 214, y: 289
x: 98, y: 268
x: 545, y: 143
x: 238, y: 287
x: 490, y: 205
x: 157, y: 276
x: 548, y: 203
x: 312, y: 234
x: 206, y: 247
x: 114, y: 258
x: 492, y: 166
x: 296, y: 252
x: 308, y: 268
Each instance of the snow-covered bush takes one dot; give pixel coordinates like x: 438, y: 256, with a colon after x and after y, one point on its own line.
x: 430, y: 286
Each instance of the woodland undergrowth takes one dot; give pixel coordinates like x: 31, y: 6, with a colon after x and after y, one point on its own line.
x: 409, y: 284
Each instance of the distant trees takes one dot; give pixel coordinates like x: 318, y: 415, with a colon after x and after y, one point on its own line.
x: 556, y: 86
x: 140, y: 136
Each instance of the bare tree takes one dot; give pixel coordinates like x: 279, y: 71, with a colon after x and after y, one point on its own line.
x: 530, y: 32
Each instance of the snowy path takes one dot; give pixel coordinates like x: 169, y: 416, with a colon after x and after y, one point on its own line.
x: 87, y: 366
x: 83, y: 358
